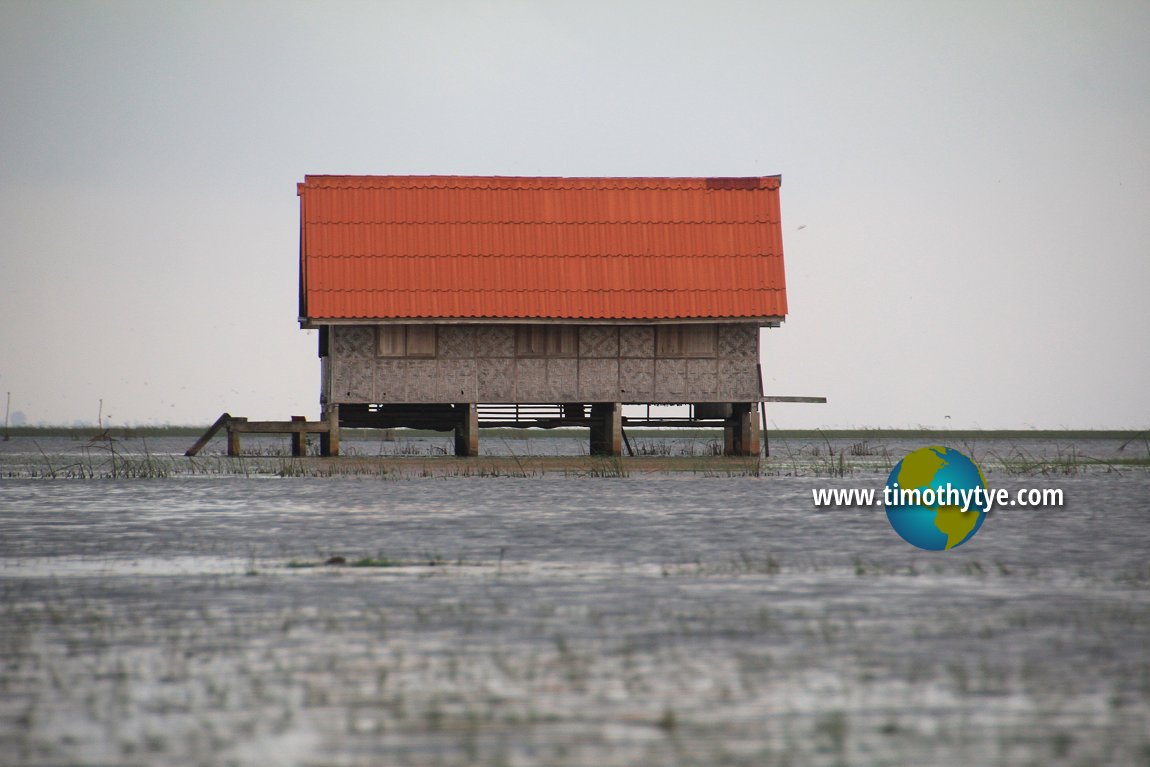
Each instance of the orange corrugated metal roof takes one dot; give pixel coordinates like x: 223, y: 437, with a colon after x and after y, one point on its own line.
x: 494, y: 247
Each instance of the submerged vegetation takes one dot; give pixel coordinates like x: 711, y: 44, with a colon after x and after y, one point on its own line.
x: 427, y: 559
x: 650, y: 435
x: 532, y: 453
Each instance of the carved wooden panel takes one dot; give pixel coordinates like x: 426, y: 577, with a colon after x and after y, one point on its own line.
x: 598, y: 341
x: 636, y: 341
x: 352, y: 380
x: 702, y: 380
x: 457, y: 381
x: 738, y: 380
x: 422, y: 381
x: 494, y: 341
x: 738, y: 341
x: 671, y: 380
x: 636, y: 380
x: 496, y: 380
x: 562, y: 379
x: 353, y: 341
x: 390, y: 380
x: 531, y: 380
x: 599, y: 380
x: 456, y: 341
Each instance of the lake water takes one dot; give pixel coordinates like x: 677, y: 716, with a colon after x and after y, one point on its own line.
x: 643, y: 620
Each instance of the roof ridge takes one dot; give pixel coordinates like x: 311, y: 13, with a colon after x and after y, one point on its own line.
x: 405, y: 291
x: 752, y: 254
x: 500, y: 222
x: 501, y: 183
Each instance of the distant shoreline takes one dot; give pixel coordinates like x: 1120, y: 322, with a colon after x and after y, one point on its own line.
x: 82, y: 433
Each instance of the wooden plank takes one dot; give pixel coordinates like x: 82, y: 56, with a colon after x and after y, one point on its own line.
x: 211, y: 432
x: 671, y: 423
x: 281, y: 427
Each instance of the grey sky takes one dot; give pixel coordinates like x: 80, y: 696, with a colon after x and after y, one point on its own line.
x: 972, y: 180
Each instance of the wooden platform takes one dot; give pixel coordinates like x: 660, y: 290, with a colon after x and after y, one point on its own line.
x: 297, y: 427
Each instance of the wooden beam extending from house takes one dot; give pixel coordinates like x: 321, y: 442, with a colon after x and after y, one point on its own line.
x: 763, y: 400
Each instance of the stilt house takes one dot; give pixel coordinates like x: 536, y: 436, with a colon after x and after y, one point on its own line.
x: 454, y: 302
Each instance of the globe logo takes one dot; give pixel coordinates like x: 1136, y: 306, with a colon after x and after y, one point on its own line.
x: 925, y: 496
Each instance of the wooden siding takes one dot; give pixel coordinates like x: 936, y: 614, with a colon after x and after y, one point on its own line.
x: 511, y: 364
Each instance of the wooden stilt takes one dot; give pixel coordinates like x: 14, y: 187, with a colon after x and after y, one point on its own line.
x: 329, y: 442
x: 467, y: 430
x: 766, y: 439
x: 607, y: 428
x: 750, y: 427
x: 741, y: 430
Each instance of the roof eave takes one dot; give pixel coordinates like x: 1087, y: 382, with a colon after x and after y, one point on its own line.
x: 311, y: 323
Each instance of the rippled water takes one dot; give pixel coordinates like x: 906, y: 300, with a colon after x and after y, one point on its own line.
x: 666, y: 619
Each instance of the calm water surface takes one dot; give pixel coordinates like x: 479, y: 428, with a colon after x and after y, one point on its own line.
x: 569, y: 621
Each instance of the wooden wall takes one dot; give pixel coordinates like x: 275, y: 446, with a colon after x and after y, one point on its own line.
x: 541, y: 363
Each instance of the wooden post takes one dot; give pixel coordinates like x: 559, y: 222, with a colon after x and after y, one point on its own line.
x: 749, y: 425
x: 467, y: 430
x: 741, y: 431
x: 766, y: 439
x: 615, y: 429
x: 607, y: 428
x: 234, y: 436
x: 329, y: 441
x: 298, y: 446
